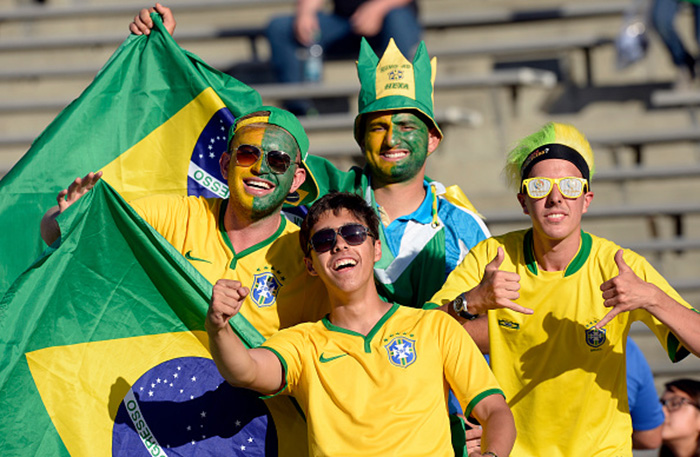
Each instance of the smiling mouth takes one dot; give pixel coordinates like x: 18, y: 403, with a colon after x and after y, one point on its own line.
x: 258, y: 184
x: 393, y: 154
x: 344, y: 264
x: 555, y: 216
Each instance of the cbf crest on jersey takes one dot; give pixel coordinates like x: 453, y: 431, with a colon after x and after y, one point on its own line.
x: 265, y: 288
x: 401, y: 351
x: 595, y: 338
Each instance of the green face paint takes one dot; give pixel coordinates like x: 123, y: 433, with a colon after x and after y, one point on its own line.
x: 395, y: 146
x: 256, y: 190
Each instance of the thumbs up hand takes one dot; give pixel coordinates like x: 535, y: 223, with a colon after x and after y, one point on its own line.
x: 625, y: 292
x: 497, y: 288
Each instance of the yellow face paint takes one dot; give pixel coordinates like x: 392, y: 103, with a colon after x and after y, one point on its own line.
x: 256, y: 190
x: 395, y: 145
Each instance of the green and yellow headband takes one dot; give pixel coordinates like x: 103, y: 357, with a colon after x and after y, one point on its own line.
x: 552, y: 141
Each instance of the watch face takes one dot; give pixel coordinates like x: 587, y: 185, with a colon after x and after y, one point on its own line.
x: 458, y: 304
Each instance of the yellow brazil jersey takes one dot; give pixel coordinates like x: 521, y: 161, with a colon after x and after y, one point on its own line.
x: 282, y: 293
x: 384, y: 393
x: 565, y: 381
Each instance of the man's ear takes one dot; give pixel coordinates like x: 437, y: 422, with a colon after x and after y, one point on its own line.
x: 521, y: 199
x: 377, y: 250
x: 434, y: 140
x: 310, y: 266
x: 224, y: 162
x: 299, y: 178
x: 587, y: 199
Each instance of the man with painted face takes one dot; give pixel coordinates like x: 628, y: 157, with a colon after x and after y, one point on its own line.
x: 244, y: 237
x: 425, y: 228
x: 559, y: 304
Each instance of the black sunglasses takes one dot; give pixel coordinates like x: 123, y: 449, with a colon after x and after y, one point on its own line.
x: 247, y: 155
x: 353, y: 234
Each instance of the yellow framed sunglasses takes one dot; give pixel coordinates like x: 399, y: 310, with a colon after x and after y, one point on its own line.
x: 540, y: 187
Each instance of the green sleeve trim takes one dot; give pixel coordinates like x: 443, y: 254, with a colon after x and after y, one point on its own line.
x: 430, y: 305
x: 676, y: 351
x: 284, y: 369
x: 459, y: 439
x: 481, y: 396
x: 284, y: 386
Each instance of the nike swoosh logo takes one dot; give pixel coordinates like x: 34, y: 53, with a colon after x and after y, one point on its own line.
x: 188, y: 256
x: 325, y: 359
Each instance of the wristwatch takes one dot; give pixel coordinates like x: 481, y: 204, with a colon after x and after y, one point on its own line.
x: 459, y: 304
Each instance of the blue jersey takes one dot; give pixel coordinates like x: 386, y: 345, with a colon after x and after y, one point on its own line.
x: 463, y: 229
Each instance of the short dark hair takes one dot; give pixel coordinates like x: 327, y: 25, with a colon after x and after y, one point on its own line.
x: 335, y: 202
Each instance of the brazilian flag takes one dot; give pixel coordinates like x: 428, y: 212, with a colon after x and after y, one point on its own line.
x: 104, y: 351
x: 154, y: 120
x: 102, y: 342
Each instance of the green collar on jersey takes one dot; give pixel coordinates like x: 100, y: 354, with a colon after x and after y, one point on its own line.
x: 253, y: 248
x: 574, y: 266
x: 368, y: 338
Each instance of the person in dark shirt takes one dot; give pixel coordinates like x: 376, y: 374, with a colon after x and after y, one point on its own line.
x: 338, y: 33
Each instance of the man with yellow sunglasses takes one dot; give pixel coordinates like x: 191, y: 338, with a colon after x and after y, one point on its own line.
x: 558, y: 304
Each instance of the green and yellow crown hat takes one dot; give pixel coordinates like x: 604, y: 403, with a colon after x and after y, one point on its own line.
x: 552, y: 141
x: 393, y: 83
x: 308, y: 192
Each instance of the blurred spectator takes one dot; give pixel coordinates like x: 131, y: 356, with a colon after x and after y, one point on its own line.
x: 645, y: 409
x: 338, y: 33
x: 681, y: 429
x: 663, y: 13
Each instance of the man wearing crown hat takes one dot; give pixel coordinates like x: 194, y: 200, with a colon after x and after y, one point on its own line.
x: 425, y: 227
x: 559, y: 303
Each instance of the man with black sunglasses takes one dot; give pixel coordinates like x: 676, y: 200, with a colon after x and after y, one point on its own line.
x: 425, y: 227
x: 244, y: 237
x: 559, y: 302
x: 370, y: 376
